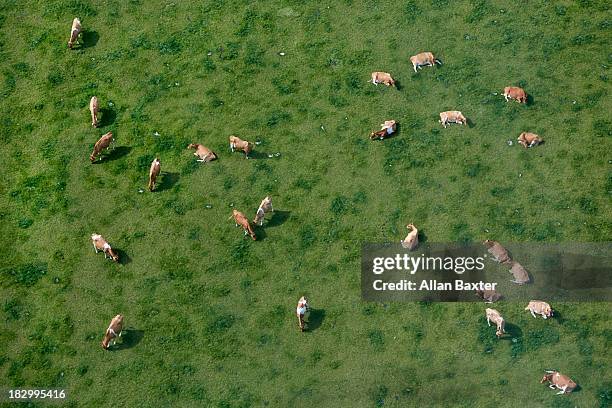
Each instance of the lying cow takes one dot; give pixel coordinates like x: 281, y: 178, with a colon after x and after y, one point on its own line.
x: 264, y: 207
x: 114, y: 330
x: 514, y: 92
x: 153, y: 173
x: 527, y: 139
x: 302, y: 308
x: 204, y: 153
x: 242, y: 145
x: 541, y: 308
x: 93, y: 108
x: 100, y: 244
x: 243, y: 221
x: 495, y: 317
x: 74, y: 32
x: 412, y: 239
x: 386, y: 130
x: 452, y: 117
x: 520, y: 274
x: 559, y: 381
x: 489, y: 296
x: 500, y: 254
x: 424, y: 59
x: 382, y: 78
x: 103, y: 143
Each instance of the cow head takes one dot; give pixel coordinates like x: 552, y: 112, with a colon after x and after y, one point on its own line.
x: 547, y: 377
x: 115, y: 257
x: 192, y: 146
x: 499, y: 332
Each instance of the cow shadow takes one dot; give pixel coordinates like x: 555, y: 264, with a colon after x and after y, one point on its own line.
x: 470, y: 123
x: 108, y: 117
x: 117, y: 153
x: 168, y: 181
x: 130, y: 338
x: 512, y: 331
x: 422, y: 237
x: 315, y: 319
x: 558, y: 316
x: 124, y: 258
x: 257, y: 155
x: 530, y: 101
x: 278, y: 218
x: 260, y: 232
x: 398, y: 85
x: 89, y: 39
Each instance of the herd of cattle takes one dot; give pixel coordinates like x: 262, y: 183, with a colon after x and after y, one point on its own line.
x: 388, y: 128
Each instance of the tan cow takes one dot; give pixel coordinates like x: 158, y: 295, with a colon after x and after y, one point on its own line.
x: 500, y: 254
x: 424, y: 59
x: 243, y: 221
x: 93, y: 108
x: 242, y: 145
x: 386, y: 130
x: 74, y: 32
x: 489, y: 296
x: 114, y: 330
x: 100, y: 244
x: 103, y: 143
x: 527, y: 139
x: 302, y: 308
x: 452, y: 117
x: 514, y: 92
x: 382, y: 78
x: 204, y: 153
x: 264, y: 207
x: 412, y: 239
x: 153, y: 173
x: 541, y: 308
x: 495, y: 317
x: 520, y: 274
x: 559, y: 381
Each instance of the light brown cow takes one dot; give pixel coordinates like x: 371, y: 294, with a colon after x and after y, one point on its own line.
x: 243, y: 221
x: 452, y: 117
x: 264, y: 207
x: 242, y: 145
x: 489, y: 296
x: 500, y: 254
x: 100, y: 244
x: 204, y: 153
x: 495, y: 317
x: 386, y: 130
x: 514, y: 92
x: 539, y: 307
x: 527, y: 139
x: 559, y: 381
x: 412, y: 239
x: 103, y: 143
x: 382, y: 78
x: 93, y: 108
x: 153, y: 173
x: 424, y: 59
x: 74, y: 32
x: 302, y: 308
x: 520, y: 274
x: 114, y: 330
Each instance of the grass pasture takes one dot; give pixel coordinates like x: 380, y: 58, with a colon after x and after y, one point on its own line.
x: 210, y: 315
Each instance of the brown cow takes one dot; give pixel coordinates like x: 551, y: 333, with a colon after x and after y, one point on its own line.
x: 499, y: 252
x: 103, y: 143
x: 452, y: 117
x: 264, y: 207
x: 243, y: 221
x: 387, y: 129
x: 495, y: 317
x: 153, y: 173
x: 424, y: 59
x: 527, y: 139
x: 412, y: 239
x: 382, y: 78
x: 302, y: 308
x: 560, y: 381
x: 520, y: 274
x: 93, y: 108
x: 74, y: 32
x: 514, y: 92
x: 204, y: 153
x: 114, y: 330
x: 238, y: 144
x: 100, y: 244
x: 489, y: 296
x: 541, y: 308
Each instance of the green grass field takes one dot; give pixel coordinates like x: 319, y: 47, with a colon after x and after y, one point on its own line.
x: 211, y: 315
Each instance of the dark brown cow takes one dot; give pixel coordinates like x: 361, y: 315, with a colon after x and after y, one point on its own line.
x: 153, y: 173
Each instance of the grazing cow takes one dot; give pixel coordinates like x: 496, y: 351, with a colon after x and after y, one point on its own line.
x: 204, y: 153
x: 264, y: 207
x: 499, y: 252
x: 489, y: 296
x: 452, y: 117
x: 382, y: 78
x: 243, y: 221
x: 386, y: 130
x: 100, y: 244
x: 559, y: 381
x: 238, y: 144
x: 93, y: 108
x: 541, y: 308
x: 74, y: 32
x: 114, y: 330
x: 424, y: 59
x: 520, y: 274
x: 514, y: 92
x: 412, y: 239
x: 302, y: 308
x: 103, y: 143
x: 527, y: 139
x: 495, y: 317
x: 153, y: 173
